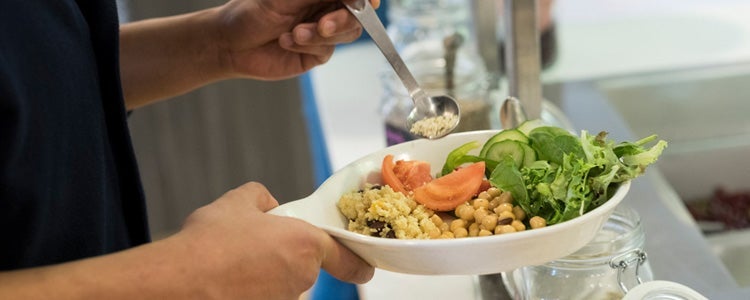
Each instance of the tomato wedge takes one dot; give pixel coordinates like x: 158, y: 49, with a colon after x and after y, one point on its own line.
x: 447, y: 192
x: 412, y: 173
x: 389, y: 177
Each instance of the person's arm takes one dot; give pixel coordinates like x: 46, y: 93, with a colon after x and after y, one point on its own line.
x: 260, y: 39
x: 164, y: 57
x: 229, y: 249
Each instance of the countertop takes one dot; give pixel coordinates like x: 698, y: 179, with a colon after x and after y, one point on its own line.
x: 607, y: 38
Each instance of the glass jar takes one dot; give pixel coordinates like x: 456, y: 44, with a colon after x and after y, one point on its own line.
x: 420, y: 31
x: 606, y: 268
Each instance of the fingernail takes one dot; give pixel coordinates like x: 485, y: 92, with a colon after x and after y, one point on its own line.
x: 304, y: 34
x: 329, y: 28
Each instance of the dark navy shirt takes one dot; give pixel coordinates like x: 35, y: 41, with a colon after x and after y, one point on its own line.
x: 69, y: 185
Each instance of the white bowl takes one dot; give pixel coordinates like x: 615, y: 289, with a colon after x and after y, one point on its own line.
x: 464, y: 256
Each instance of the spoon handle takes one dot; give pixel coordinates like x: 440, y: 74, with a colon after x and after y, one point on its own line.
x: 365, y: 14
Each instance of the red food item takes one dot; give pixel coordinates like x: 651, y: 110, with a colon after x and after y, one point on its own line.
x: 486, y: 185
x: 389, y: 177
x: 412, y: 173
x: 447, y: 192
x: 731, y: 209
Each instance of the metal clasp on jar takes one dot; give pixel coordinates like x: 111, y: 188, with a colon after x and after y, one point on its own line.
x: 633, y: 258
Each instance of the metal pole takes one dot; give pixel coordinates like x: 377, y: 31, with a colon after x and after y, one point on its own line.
x: 522, y: 55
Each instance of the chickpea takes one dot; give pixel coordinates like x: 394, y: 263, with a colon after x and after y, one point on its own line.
x: 479, y: 214
x: 506, y: 197
x: 503, y: 207
x: 459, y: 208
x: 518, y: 225
x: 502, y: 229
x: 489, y: 222
x: 474, y: 229
x: 494, y: 192
x: 493, y: 204
x: 481, y: 203
x: 460, y: 232
x: 484, y: 195
x: 447, y: 235
x: 457, y: 223
x: 465, y: 212
x: 484, y: 232
x: 537, y: 222
x: 518, y: 211
x: 444, y: 227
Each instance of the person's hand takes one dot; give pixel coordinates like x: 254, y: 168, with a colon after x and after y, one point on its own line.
x: 277, y: 39
x: 246, y: 253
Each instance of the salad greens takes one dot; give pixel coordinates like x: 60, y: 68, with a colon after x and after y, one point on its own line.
x: 566, y: 175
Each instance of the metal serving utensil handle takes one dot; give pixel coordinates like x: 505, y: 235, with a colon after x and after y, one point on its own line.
x: 522, y: 55
x: 365, y: 14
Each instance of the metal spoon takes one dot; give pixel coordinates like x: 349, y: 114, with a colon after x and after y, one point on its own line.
x: 425, y: 107
x: 511, y: 113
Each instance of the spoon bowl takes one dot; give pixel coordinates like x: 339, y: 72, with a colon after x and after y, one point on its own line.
x: 437, y: 106
x: 427, y: 108
x: 464, y: 256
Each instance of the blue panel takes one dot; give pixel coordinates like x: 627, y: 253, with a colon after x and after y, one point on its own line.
x: 320, y: 160
x: 381, y: 12
x: 326, y: 287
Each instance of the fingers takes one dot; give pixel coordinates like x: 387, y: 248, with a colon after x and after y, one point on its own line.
x: 326, y: 32
x: 343, y: 264
x: 375, y: 3
x: 318, y: 39
x: 336, y: 23
x: 254, y: 194
x: 333, y: 28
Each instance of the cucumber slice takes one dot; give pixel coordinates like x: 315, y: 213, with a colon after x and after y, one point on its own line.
x: 509, y: 134
x: 529, y: 155
x: 514, y: 149
x: 529, y: 125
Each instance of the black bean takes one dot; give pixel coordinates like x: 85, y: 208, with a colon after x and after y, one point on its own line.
x: 376, y: 224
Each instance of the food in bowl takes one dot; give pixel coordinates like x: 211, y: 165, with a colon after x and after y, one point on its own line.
x: 382, y: 212
x: 519, y: 179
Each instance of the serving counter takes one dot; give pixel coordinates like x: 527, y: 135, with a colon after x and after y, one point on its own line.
x: 347, y: 90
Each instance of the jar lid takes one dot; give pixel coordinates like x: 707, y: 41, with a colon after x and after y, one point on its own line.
x: 662, y: 290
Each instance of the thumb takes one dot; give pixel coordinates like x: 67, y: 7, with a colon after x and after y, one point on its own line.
x: 254, y: 194
x: 344, y: 264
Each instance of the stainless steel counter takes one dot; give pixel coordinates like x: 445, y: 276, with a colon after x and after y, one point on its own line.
x: 676, y: 248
